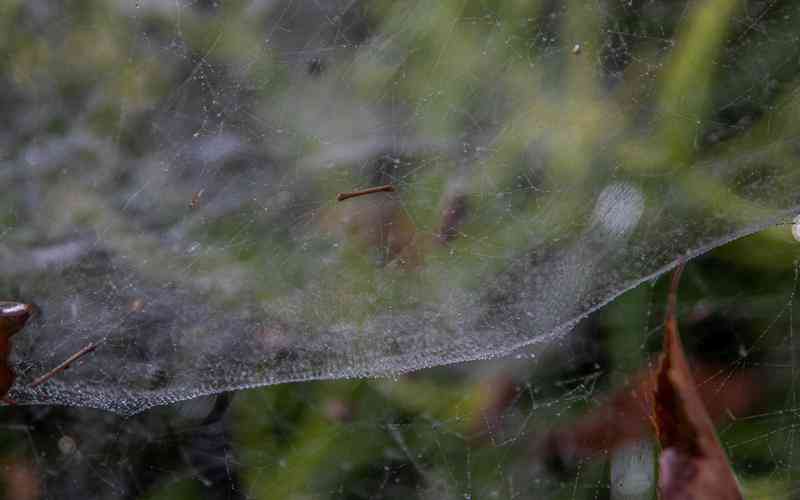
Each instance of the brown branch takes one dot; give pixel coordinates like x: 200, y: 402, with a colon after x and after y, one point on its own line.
x: 344, y: 196
x: 91, y: 346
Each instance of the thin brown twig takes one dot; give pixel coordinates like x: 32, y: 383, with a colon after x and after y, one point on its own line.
x: 195, y: 201
x: 91, y: 346
x: 344, y: 196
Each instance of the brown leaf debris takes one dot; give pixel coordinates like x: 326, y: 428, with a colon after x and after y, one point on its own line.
x: 13, y: 316
x: 692, y: 464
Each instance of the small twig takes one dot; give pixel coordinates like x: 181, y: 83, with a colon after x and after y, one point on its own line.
x: 91, y: 346
x: 343, y: 196
x: 195, y: 201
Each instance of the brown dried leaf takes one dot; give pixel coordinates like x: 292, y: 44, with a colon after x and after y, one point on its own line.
x: 21, y: 479
x: 495, y: 395
x: 625, y: 416
x: 692, y: 464
x: 453, y: 216
x: 13, y: 316
x: 378, y: 223
x: 620, y: 420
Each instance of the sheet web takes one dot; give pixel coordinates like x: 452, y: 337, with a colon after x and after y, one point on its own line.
x: 172, y: 171
x: 183, y: 210
x: 510, y: 428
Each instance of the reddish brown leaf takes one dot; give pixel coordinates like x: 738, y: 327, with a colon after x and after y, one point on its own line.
x: 21, y: 479
x: 619, y: 420
x: 453, y: 215
x: 383, y: 223
x: 692, y: 464
x: 378, y: 222
x: 339, y: 410
x: 625, y: 416
x: 13, y: 316
x: 496, y: 394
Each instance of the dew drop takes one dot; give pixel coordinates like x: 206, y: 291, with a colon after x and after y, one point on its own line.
x: 67, y: 445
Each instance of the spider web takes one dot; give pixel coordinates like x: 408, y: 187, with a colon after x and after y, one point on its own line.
x: 171, y: 171
x: 179, y: 203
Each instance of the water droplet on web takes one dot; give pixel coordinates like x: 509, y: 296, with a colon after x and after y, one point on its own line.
x: 618, y: 209
x: 67, y: 445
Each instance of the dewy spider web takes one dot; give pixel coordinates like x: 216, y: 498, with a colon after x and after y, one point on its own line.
x: 178, y: 196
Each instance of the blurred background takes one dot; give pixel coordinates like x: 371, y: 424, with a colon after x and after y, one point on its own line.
x: 170, y: 171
